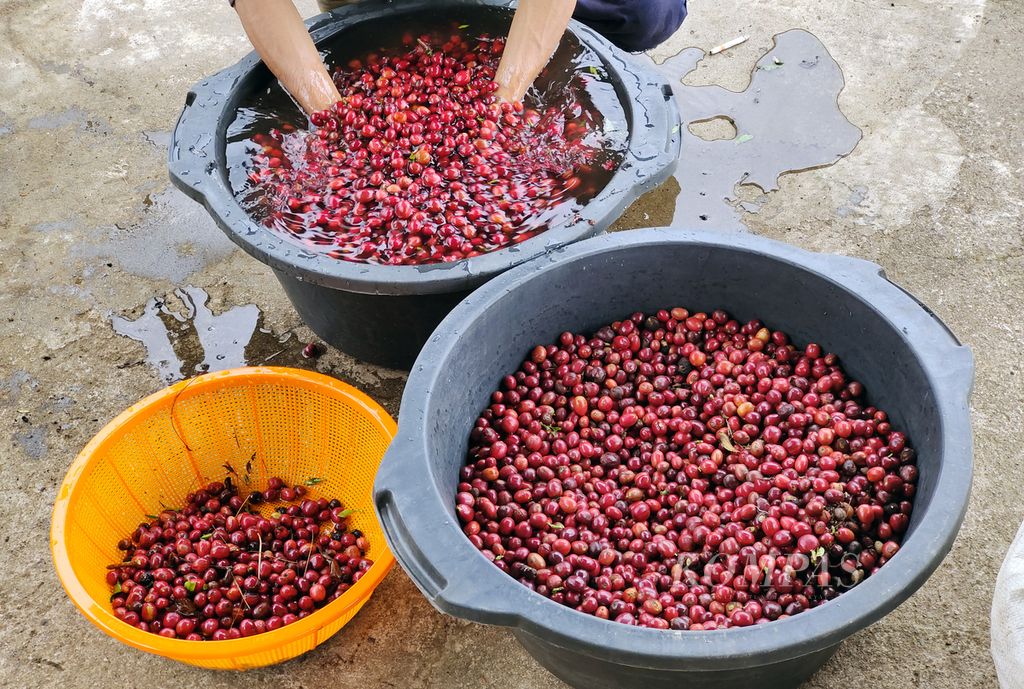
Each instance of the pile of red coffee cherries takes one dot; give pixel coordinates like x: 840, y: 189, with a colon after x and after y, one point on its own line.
x: 215, y: 571
x: 685, y: 471
x: 420, y: 163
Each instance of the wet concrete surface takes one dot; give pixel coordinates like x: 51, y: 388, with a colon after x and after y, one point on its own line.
x: 94, y: 235
x: 210, y: 342
x: 787, y: 119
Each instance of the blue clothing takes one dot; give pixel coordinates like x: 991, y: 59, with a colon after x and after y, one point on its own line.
x: 633, y: 25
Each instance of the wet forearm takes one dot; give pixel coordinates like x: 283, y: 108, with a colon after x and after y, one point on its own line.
x: 536, y: 31
x: 276, y: 31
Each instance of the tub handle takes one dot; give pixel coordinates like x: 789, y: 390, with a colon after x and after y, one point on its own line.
x: 673, y: 122
x: 180, y: 160
x: 415, y: 523
x: 667, y: 126
x: 927, y: 309
x: 953, y: 359
x: 873, y: 270
x: 192, y: 154
x: 959, y: 362
x: 427, y: 579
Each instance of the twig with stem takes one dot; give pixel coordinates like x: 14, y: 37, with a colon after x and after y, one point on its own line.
x: 235, y: 582
x: 314, y: 546
x: 242, y: 506
x: 174, y: 402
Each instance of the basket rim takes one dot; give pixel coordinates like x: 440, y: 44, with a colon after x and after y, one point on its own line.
x: 99, y: 612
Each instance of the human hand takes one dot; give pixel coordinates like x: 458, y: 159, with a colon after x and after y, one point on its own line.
x: 536, y: 30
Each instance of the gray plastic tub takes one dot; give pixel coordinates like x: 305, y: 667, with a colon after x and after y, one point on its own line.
x: 910, y: 363
x: 383, y: 314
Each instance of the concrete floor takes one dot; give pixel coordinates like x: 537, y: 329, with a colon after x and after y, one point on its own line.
x: 89, y: 91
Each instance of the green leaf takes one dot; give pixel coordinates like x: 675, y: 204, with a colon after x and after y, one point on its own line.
x: 817, y: 554
x: 557, y: 525
x: 117, y: 588
x: 206, y: 536
x: 463, y: 26
x: 557, y: 589
x: 743, y: 138
x: 498, y: 557
x: 593, y: 70
x: 347, y: 513
x: 190, y: 586
x: 313, y: 480
x: 152, y: 516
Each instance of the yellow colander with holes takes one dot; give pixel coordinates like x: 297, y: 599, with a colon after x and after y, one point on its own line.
x: 304, y: 427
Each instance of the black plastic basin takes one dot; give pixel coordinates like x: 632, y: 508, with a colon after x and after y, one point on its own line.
x: 383, y: 314
x: 910, y: 363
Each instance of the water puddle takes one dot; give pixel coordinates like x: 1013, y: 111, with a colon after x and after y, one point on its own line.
x: 183, y: 336
x: 787, y: 120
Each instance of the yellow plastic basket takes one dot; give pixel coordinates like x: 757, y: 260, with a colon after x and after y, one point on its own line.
x: 280, y: 422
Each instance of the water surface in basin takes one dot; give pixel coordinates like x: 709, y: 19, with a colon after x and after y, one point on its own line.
x: 576, y: 75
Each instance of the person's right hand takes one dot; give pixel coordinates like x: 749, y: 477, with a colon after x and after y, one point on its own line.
x: 536, y: 30
x: 276, y: 31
